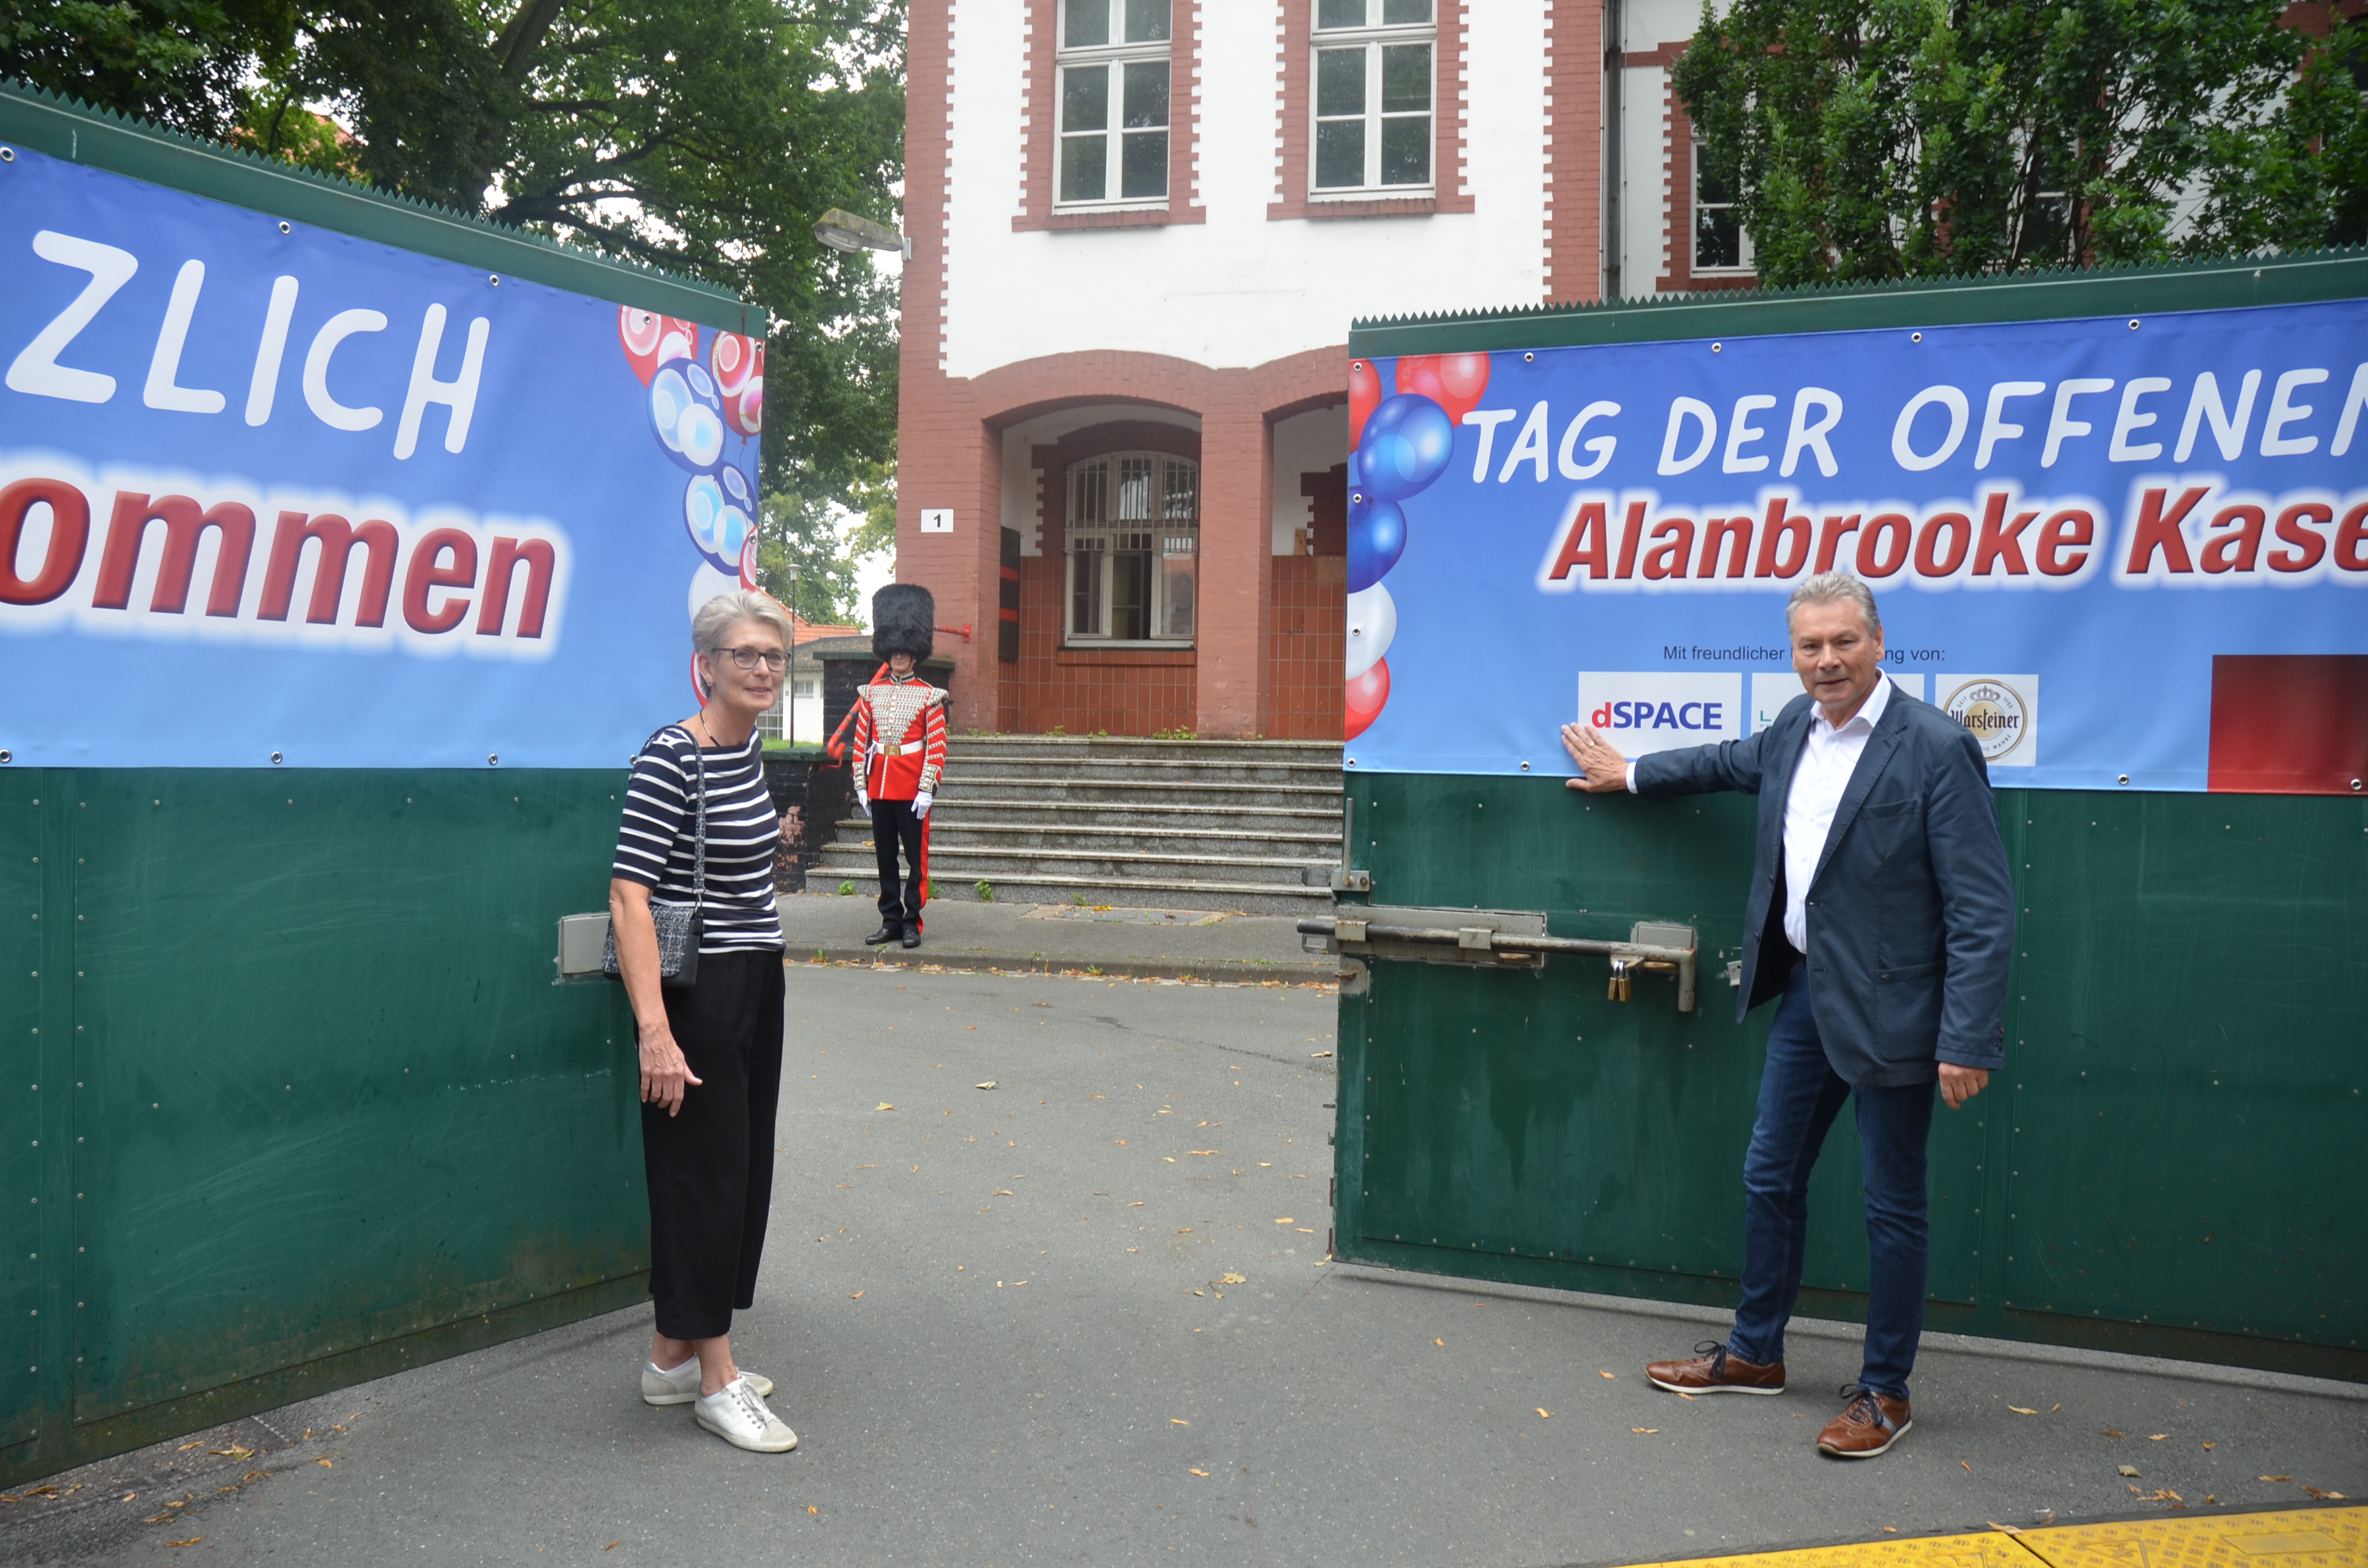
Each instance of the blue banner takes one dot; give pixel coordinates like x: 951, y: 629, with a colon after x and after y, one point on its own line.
x: 2123, y: 553
x: 277, y: 495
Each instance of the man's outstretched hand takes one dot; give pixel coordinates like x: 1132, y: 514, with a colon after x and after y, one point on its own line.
x: 1601, y: 769
x: 1959, y: 1085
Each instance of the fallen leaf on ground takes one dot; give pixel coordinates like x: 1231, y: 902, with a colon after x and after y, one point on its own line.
x: 810, y: 1507
x: 613, y: 1546
x: 1234, y: 1279
x: 2335, y: 1496
x: 185, y: 1448
x: 1603, y: 1374
x: 1204, y: 1150
x: 2125, y: 1470
x: 1543, y: 1413
x: 1683, y: 1394
x: 1891, y: 1530
x: 1136, y: 1204
x: 884, y: 1105
x: 2019, y: 1410
x: 1648, y: 1431
x: 989, y: 1085
x: 1201, y: 1473
x: 1174, y: 1421
x: 325, y: 1464
x: 859, y: 1295
x: 2108, y: 1432
x: 158, y: 1519
x: 2274, y: 1478
x: 2008, y: 1529
x: 1313, y: 1054
x: 2208, y: 1448
x: 1969, y: 1468
x: 2158, y: 1438
x: 2161, y: 1492
x: 1286, y: 1219
x: 191, y: 1541
x: 2209, y: 1499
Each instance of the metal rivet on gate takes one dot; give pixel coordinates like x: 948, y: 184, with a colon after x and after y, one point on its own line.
x: 1529, y: 358
x: 495, y: 278
x: 6, y: 757
x: 2133, y: 325
x: 1525, y: 768
x: 7, y: 154
x: 1915, y: 337
x: 284, y: 228
x: 3, y: 757
x: 1718, y: 347
x: 275, y: 757
x: 1356, y: 364
x: 2125, y: 777
x: 493, y: 759
x: 1352, y: 762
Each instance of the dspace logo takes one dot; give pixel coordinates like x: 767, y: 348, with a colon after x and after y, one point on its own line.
x: 1644, y: 711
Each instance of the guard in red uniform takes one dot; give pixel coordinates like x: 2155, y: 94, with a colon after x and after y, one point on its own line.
x: 899, y: 750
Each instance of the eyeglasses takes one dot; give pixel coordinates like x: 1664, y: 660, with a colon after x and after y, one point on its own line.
x: 746, y: 658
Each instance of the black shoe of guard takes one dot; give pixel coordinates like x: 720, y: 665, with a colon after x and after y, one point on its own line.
x: 885, y: 935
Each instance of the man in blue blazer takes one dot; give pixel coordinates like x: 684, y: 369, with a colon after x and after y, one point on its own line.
x: 1882, y: 914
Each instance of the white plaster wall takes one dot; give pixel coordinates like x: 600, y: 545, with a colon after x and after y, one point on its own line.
x: 1305, y: 443
x: 1236, y: 291
x: 1659, y: 199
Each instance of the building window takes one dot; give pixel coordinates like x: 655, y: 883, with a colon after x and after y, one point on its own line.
x: 1114, y: 67
x: 1133, y: 547
x: 1720, y: 243
x: 768, y: 723
x: 1375, y: 86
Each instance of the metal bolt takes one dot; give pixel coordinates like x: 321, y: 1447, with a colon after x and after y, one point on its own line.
x: 495, y: 278
x: 1915, y: 337
x: 1529, y: 358
x: 283, y: 226
x: 2134, y: 326
x: 493, y: 760
x: 2125, y: 779
x: 275, y: 757
x: 1718, y: 347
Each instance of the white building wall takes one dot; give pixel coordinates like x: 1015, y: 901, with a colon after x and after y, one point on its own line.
x: 1238, y: 290
x: 1305, y: 443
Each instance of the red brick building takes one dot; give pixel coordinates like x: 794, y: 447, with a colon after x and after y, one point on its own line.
x: 1139, y: 232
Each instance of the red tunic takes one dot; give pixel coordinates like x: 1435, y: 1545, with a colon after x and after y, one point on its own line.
x: 914, y: 712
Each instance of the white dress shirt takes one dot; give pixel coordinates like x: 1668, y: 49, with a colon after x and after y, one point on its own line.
x: 1827, y: 758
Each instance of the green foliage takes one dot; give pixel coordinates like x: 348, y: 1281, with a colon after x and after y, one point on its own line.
x: 802, y: 532
x: 986, y: 890
x: 704, y: 136
x: 1873, y: 139
x: 183, y: 64
x: 1179, y: 734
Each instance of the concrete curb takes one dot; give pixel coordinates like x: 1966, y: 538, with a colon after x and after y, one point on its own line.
x: 1825, y: 1328
x: 960, y: 961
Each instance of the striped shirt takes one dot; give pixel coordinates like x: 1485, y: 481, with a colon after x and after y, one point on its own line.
x: 744, y: 834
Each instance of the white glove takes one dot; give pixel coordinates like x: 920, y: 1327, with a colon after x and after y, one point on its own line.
x: 922, y: 804
x: 862, y: 800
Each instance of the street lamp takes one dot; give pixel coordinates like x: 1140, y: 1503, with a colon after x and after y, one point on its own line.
x: 845, y: 230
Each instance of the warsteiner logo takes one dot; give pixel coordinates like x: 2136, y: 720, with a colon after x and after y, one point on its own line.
x: 2002, y: 719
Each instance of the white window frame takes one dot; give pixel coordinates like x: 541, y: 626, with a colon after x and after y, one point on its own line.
x: 1746, y: 264
x: 1373, y: 38
x: 1100, y: 524
x: 1112, y: 57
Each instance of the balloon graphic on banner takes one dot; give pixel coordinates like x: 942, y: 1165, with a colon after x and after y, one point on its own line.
x: 1455, y: 382
x: 1376, y: 539
x: 687, y: 416
x: 1406, y: 446
x: 1372, y: 622
x: 1365, y: 394
x: 652, y: 340
x: 738, y: 365
x: 1366, y: 695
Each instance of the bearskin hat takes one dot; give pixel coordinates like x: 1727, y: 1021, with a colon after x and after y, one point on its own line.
x: 903, y: 615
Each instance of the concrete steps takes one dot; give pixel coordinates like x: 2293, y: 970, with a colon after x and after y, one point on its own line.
x: 1193, y: 824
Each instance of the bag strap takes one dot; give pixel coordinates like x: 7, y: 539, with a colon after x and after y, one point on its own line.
x: 699, y: 833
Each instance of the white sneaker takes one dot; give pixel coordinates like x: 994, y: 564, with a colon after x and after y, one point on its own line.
x: 681, y: 1385
x: 736, y: 1413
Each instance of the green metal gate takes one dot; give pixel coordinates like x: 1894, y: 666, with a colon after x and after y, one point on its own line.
x: 2170, y: 1161
x: 288, y: 1097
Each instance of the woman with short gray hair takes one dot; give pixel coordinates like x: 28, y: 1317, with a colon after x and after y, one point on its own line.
x: 699, y: 838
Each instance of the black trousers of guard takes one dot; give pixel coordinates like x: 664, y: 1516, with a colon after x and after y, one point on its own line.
x: 710, y: 1165
x: 894, y: 822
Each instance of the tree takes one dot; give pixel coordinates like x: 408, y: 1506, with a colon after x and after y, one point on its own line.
x: 804, y: 532
x: 182, y: 64
x: 1869, y: 139
x: 704, y: 136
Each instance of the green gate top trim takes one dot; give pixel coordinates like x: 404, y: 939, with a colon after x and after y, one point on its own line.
x: 2297, y: 278
x: 98, y: 139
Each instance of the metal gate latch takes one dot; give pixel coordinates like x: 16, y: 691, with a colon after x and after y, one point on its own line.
x: 1500, y: 938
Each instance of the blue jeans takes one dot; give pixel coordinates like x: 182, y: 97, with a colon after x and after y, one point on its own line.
x: 1800, y: 1094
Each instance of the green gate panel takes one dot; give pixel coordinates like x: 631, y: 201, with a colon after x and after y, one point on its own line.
x: 2183, y: 1061
x: 320, y: 1108
x: 2188, y: 1038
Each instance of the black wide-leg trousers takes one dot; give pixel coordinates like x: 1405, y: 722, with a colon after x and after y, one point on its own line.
x: 894, y: 823
x: 711, y: 1166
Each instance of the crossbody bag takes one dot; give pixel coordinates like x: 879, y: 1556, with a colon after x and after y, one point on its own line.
x: 678, y: 923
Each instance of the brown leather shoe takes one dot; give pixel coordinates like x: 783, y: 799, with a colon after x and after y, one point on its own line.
x: 1868, y: 1425
x: 1713, y: 1370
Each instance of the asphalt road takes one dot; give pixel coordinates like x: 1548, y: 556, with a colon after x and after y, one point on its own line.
x: 1083, y: 1317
